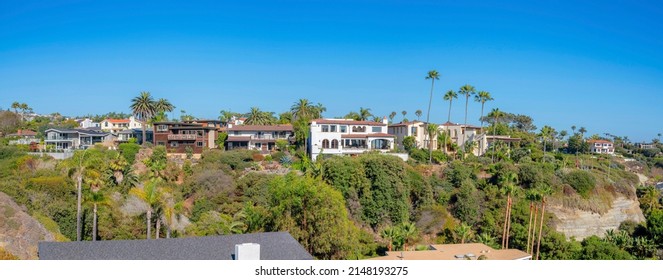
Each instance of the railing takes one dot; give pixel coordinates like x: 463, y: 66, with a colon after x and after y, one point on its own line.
x: 182, y: 136
x: 268, y: 137
x: 59, y: 138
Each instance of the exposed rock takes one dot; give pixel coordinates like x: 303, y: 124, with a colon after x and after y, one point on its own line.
x: 582, y: 224
x: 19, y: 232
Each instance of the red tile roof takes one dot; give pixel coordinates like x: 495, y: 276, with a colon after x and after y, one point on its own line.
x: 599, y: 141
x: 406, y: 123
x: 25, y: 132
x: 118, y: 120
x: 372, y: 135
x: 347, y: 122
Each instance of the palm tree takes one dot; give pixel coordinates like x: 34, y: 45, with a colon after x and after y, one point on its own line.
x: 432, y: 75
x: 257, y: 117
x: 533, y: 196
x: 467, y: 91
x: 163, y: 106
x: 143, y: 107
x: 573, y: 128
x: 150, y: 195
x: 392, y: 116
x: 496, y: 114
x: 16, y: 106
x: 659, y: 137
x: 319, y: 109
x: 450, y: 96
x: 303, y: 109
x: 582, y: 131
x: 483, y: 97
x: 508, y: 183
x: 96, y: 199
x: 409, y: 232
x: 364, y: 113
x: 463, y: 232
x: 392, y: 235
x: 544, y: 192
x: 486, y: 239
x: 546, y: 132
x: 78, y: 169
x: 404, y: 114
x: 431, y: 130
x: 418, y: 114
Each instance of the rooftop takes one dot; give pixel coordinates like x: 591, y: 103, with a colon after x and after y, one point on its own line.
x: 23, y: 132
x: 273, y: 246
x: 117, y: 120
x: 347, y: 122
x: 280, y: 127
x: 458, y: 252
x: 371, y: 135
x: 406, y: 123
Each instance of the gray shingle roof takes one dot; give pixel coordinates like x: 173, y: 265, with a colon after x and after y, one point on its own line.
x: 273, y: 246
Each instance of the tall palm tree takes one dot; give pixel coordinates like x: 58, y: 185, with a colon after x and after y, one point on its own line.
x: 545, y: 191
x: 431, y: 131
x: 467, y: 91
x: 450, y: 96
x: 364, y: 113
x: 392, y: 116
x: 150, y: 195
x: 533, y: 196
x: 96, y: 199
x: 143, y: 107
x: 582, y: 131
x: 432, y: 75
x: 418, y: 114
x: 302, y: 109
x: 78, y: 166
x: 546, y: 133
x: 508, y: 183
x: 483, y: 97
x: 319, y: 109
x: 404, y: 114
x: 573, y: 128
x: 659, y: 137
x: 257, y: 117
x: 496, y: 114
x: 163, y: 106
x: 16, y: 105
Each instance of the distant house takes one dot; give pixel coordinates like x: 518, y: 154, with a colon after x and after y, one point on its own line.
x: 88, y: 123
x: 257, y: 137
x: 256, y: 246
x: 71, y: 139
x: 125, y: 136
x: 24, y: 137
x: 116, y: 125
x: 416, y: 129
x: 177, y: 136
x: 450, y: 252
x: 646, y: 146
x: 348, y: 137
x: 473, y: 134
x: 601, y: 147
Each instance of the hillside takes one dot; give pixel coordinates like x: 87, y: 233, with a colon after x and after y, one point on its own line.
x: 19, y: 232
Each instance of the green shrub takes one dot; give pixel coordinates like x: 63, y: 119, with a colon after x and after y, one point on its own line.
x: 129, y: 151
x: 583, y: 182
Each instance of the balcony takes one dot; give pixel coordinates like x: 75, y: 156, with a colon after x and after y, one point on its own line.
x: 58, y: 138
x: 191, y: 137
x: 268, y: 137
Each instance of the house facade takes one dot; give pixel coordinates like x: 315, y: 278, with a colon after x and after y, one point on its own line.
x: 116, y: 125
x: 416, y: 129
x: 136, y: 133
x: 88, y: 123
x: 178, y: 136
x: 473, y: 134
x: 257, y: 137
x: 601, y: 147
x: 348, y: 137
x: 23, y: 137
x: 72, y: 139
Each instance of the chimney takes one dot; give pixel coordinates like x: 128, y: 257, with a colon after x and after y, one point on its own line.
x: 247, y: 252
x: 385, y: 121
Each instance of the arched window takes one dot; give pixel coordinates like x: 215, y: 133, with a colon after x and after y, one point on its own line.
x: 334, y: 144
x: 325, y: 144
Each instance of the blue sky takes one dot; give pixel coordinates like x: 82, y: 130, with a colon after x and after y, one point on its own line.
x: 583, y: 63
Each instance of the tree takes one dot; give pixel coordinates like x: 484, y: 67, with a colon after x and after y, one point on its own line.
x: 163, y: 106
x: 149, y: 194
x: 96, y: 199
x: 392, y: 116
x: 257, y: 117
x: 544, y: 191
x: 582, y: 131
x: 533, y: 196
x: 143, y: 107
x: 508, y: 184
x: 418, y: 114
x: 450, y: 96
x: 16, y: 105
x: 496, y: 114
x: 467, y: 91
x: 78, y: 167
x: 483, y: 97
x: 394, y: 236
x: 547, y: 132
x: 364, y: 113
x: 431, y: 131
x: 432, y: 75
x: 409, y: 143
x: 463, y: 232
x: 302, y: 109
x: 410, y: 232
x: 404, y: 114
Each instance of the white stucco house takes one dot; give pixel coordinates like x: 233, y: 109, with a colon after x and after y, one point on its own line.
x: 88, y: 123
x: 416, y: 129
x: 117, y: 125
x: 348, y: 137
x: 601, y: 147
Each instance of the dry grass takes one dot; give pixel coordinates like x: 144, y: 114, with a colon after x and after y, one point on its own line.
x: 600, y: 200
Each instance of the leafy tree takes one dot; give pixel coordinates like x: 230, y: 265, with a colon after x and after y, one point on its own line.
x: 257, y: 117
x: 315, y: 215
x: 582, y: 181
x: 149, y: 194
x: 364, y: 113
x: 409, y: 143
x: 466, y: 207
x: 214, y: 223
x: 596, y: 249
x: 221, y: 139
x: 463, y: 233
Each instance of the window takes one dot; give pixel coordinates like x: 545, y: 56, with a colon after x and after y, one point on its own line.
x: 332, y: 128
x: 325, y: 128
x: 200, y: 133
x: 414, y: 131
x: 258, y: 145
x: 161, y: 143
x: 358, y: 129
x: 199, y: 144
x: 162, y: 128
x: 334, y: 144
x: 343, y: 129
x: 325, y: 144
x: 377, y: 129
x: 173, y: 144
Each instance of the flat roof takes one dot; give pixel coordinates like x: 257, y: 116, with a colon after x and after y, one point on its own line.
x: 457, y: 252
x: 346, y: 122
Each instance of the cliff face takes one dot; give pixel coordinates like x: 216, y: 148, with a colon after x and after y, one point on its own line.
x: 19, y: 232
x: 582, y: 224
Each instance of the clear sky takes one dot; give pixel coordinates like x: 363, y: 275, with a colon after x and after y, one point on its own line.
x: 597, y: 64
